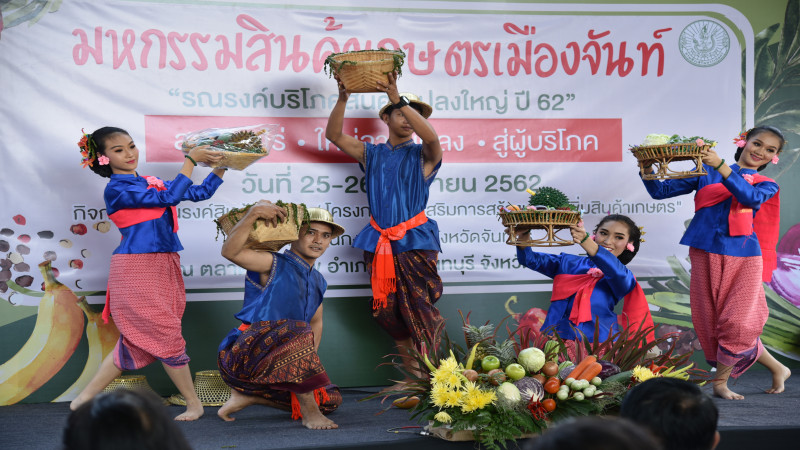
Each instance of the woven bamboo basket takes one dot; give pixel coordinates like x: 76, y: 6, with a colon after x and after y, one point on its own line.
x: 237, y: 160
x: 210, y: 389
x: 361, y: 70
x: 660, y: 156
x: 264, y: 236
x: 544, y: 225
x: 128, y: 382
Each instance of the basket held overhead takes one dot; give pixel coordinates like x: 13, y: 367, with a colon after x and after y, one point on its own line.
x: 660, y: 156
x: 264, y: 236
x: 544, y: 224
x: 361, y: 70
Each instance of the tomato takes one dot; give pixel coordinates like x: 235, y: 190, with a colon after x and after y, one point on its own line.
x: 549, y: 404
x: 551, y: 385
x: 490, y: 362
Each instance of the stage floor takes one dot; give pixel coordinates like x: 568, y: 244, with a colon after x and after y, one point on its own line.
x: 759, y: 420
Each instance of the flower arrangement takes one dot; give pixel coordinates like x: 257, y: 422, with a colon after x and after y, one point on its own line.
x: 504, y: 389
x: 88, y: 150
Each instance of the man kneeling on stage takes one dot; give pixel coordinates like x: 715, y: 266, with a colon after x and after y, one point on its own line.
x: 271, y: 359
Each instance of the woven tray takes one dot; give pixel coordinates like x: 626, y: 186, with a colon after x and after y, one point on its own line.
x: 210, y: 389
x: 448, y: 434
x: 263, y: 236
x: 548, y: 222
x: 660, y: 156
x: 360, y: 71
x: 237, y: 160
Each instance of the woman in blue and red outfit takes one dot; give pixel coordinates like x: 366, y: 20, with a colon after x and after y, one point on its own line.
x: 145, y: 291
x: 586, y: 289
x: 731, y: 240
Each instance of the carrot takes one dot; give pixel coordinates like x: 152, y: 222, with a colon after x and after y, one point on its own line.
x: 582, y: 366
x: 592, y: 371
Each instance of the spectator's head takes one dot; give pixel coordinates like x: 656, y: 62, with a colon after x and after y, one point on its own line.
x: 677, y: 412
x: 594, y: 433
x: 123, y: 420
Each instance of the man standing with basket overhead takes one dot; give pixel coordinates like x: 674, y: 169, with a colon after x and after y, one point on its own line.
x: 271, y: 358
x: 401, y: 245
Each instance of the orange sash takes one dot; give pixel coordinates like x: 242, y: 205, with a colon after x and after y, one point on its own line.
x: 383, y: 278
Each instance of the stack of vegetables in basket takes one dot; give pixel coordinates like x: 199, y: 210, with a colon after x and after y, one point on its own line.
x: 240, y: 147
x: 264, y: 236
x: 658, y: 151
x: 496, y: 389
x: 548, y: 210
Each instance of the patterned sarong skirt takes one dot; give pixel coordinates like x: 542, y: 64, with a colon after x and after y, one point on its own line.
x: 273, y: 359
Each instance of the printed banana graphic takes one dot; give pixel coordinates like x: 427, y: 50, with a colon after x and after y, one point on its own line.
x: 102, y: 338
x: 58, y: 330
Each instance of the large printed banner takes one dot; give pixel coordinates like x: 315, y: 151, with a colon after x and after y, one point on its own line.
x: 524, y: 96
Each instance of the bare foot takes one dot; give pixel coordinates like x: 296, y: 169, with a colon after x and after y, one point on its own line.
x: 238, y: 402
x: 77, y: 402
x: 312, y: 417
x: 721, y: 390
x: 778, y: 379
x: 193, y: 412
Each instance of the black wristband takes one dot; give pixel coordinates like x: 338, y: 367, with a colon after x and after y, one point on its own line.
x: 403, y: 102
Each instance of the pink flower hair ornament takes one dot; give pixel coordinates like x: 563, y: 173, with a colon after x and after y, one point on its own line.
x: 103, y: 160
x: 630, y: 247
x: 775, y: 159
x: 741, y: 139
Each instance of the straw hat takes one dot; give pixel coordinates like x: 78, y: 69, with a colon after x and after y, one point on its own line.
x: 413, y: 100
x: 324, y: 216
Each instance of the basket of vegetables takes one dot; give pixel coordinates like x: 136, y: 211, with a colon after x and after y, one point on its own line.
x: 548, y: 212
x: 240, y: 147
x: 659, y: 150
x: 361, y: 70
x: 264, y: 236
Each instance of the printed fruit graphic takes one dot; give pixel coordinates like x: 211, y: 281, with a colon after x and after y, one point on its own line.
x: 102, y: 338
x: 19, y: 219
x: 79, y: 229
x: 490, y: 363
x: 58, y: 330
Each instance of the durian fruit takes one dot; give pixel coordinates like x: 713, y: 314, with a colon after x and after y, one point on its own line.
x: 482, y: 336
x: 246, y: 140
x: 549, y: 197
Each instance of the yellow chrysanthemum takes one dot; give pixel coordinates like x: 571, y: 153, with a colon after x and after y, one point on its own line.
x: 443, y: 417
x: 453, y: 398
x: 450, y: 364
x: 439, y: 393
x: 642, y: 374
x: 448, y: 373
x: 475, y: 398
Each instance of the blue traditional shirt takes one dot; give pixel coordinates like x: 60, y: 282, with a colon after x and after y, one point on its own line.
x: 153, y: 236
x: 617, y: 282
x: 293, y: 291
x: 709, y: 229
x: 397, y: 190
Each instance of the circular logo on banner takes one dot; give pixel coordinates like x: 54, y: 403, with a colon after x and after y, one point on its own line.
x: 704, y: 43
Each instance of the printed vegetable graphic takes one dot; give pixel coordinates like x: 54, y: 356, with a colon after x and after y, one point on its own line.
x: 58, y: 329
x: 102, y: 338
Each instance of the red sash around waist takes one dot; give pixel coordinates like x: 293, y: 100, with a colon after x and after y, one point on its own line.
x: 741, y: 222
x: 383, y: 277
x: 131, y: 216
x: 635, y: 310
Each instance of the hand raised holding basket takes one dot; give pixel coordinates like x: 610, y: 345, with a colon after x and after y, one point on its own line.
x: 359, y: 71
x: 655, y: 159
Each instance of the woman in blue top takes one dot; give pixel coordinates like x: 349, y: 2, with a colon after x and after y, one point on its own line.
x: 586, y: 289
x: 727, y: 299
x: 145, y: 291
